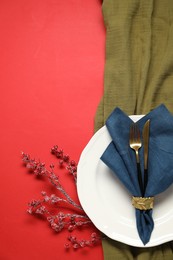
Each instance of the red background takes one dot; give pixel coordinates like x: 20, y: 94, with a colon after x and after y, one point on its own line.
x: 51, y: 81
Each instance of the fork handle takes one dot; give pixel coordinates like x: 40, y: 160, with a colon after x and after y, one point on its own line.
x: 140, y: 179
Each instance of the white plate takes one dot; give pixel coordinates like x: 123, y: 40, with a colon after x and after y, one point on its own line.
x: 107, y: 202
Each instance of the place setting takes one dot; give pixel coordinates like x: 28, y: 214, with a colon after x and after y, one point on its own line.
x: 124, y: 178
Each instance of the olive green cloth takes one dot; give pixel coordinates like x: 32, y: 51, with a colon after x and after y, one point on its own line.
x: 138, y: 77
x: 139, y: 56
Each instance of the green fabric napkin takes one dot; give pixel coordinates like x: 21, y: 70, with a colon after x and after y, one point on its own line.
x: 138, y: 77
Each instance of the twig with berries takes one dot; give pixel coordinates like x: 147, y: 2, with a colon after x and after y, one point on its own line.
x: 39, y: 169
x: 64, y: 159
x: 61, y: 220
x: 76, y: 243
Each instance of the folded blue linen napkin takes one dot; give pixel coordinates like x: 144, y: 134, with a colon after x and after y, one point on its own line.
x: 120, y: 158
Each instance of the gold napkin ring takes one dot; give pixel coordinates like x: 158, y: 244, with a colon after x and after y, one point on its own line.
x: 143, y: 203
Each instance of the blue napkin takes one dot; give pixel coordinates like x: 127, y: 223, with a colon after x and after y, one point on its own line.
x: 120, y: 158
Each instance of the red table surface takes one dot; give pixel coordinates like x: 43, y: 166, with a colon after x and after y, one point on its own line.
x: 52, y: 56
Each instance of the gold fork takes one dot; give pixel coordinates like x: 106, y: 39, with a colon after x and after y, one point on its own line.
x: 135, y: 144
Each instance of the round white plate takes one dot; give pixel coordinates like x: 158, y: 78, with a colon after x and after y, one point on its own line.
x: 108, y: 203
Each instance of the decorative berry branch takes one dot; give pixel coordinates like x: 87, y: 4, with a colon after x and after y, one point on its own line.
x: 39, y: 169
x: 49, y: 203
x: 71, y: 165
